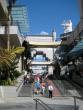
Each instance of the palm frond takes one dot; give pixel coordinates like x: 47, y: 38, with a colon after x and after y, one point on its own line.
x: 8, y: 56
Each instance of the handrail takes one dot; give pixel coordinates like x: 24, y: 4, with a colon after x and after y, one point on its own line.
x: 19, y: 85
x: 77, y: 97
x: 44, y: 105
x: 74, y: 98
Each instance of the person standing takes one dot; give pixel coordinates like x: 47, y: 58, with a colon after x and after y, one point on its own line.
x: 50, y: 89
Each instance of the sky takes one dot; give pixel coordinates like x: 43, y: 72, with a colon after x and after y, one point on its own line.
x: 46, y: 15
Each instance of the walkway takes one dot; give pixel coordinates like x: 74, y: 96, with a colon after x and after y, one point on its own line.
x: 61, y: 88
x: 27, y: 90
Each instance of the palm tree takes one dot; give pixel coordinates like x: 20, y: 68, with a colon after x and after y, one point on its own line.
x: 7, y: 57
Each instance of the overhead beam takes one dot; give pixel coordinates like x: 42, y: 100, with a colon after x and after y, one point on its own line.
x: 48, y: 63
x: 46, y: 44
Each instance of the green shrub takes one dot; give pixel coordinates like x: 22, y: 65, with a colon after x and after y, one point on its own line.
x: 16, y: 73
x: 12, y: 79
x: 4, y: 82
x: 9, y: 81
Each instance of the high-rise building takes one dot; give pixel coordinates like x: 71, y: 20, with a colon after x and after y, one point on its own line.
x: 9, y: 33
x: 81, y: 9
x: 6, y: 28
x: 3, y: 11
x: 19, y: 16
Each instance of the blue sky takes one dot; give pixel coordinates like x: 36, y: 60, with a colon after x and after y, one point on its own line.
x: 44, y: 15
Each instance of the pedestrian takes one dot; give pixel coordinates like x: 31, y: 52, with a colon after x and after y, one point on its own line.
x: 25, y: 79
x: 37, y: 87
x: 50, y: 89
x: 42, y: 88
x: 46, y: 89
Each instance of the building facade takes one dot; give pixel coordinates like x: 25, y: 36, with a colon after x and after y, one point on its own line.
x: 43, y: 54
x: 72, y: 53
x: 9, y: 33
x: 19, y: 16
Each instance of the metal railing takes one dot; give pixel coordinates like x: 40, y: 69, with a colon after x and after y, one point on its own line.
x: 75, y: 102
x: 75, y: 108
x: 19, y: 86
x: 44, y: 105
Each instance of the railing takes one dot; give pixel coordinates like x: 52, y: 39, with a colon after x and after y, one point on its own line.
x: 45, y: 106
x: 19, y: 86
x: 75, y: 108
x: 75, y: 103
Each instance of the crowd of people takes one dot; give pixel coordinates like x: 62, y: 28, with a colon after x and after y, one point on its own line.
x: 42, y: 87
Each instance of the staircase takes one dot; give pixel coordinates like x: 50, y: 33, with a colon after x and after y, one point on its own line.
x: 26, y: 91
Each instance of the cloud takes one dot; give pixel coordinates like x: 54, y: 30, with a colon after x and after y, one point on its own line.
x: 43, y: 33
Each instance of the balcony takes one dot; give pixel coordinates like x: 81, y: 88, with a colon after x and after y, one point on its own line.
x: 13, y: 30
x: 67, y: 37
x: 15, y: 38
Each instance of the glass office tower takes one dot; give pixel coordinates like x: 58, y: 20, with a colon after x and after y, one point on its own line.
x: 19, y: 17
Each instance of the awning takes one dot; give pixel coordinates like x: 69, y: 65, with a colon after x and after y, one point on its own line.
x: 77, y: 50
x: 78, y: 47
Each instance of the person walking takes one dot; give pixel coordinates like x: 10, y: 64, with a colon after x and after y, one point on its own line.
x: 25, y: 79
x: 50, y: 89
x: 42, y: 88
